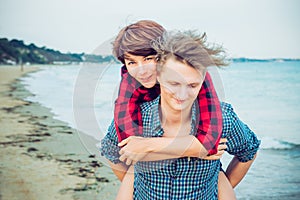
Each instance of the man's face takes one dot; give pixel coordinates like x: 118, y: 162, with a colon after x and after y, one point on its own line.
x: 142, y: 68
x: 180, y: 85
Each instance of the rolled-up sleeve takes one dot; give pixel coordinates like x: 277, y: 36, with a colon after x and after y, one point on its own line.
x: 109, y: 145
x: 241, y: 141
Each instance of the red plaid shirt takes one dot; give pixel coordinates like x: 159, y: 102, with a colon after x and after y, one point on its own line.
x: 128, y: 117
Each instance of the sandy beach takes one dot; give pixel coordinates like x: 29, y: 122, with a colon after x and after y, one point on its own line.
x: 41, y: 157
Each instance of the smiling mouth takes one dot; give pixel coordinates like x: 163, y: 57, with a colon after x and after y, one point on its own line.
x: 146, y: 79
x: 179, y: 101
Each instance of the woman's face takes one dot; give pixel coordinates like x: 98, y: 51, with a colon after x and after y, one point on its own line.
x: 142, y: 68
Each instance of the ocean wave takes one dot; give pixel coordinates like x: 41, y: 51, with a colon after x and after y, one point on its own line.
x: 276, y: 144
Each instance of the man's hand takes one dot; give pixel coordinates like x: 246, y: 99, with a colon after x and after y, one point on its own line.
x: 221, y: 149
x: 134, y: 148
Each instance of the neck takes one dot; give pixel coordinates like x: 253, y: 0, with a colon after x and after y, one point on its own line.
x: 174, y: 117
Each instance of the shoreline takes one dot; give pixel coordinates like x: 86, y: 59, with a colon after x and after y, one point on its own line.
x: 42, y: 156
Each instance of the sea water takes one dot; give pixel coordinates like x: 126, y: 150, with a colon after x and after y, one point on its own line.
x: 265, y: 95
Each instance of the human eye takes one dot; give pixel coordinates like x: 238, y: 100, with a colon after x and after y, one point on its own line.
x: 128, y: 63
x: 193, y: 85
x: 174, y: 83
x: 149, y: 58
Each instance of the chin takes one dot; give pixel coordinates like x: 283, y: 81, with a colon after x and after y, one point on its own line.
x: 149, y: 85
x: 177, y: 107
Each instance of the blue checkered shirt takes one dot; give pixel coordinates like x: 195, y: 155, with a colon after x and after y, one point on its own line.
x: 182, y: 178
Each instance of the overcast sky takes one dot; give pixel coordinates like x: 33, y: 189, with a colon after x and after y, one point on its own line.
x: 246, y: 28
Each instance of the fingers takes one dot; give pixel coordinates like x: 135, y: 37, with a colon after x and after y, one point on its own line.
x: 126, y: 157
x: 222, y: 144
x: 223, y: 140
x: 123, y: 142
x: 126, y: 160
x: 216, y: 156
x: 122, y: 158
x: 213, y: 157
x: 222, y: 147
x: 220, y: 153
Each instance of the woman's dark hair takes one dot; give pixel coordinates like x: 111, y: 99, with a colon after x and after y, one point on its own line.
x: 136, y: 39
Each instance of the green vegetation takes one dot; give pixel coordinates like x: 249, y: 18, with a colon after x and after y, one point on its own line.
x: 16, y: 52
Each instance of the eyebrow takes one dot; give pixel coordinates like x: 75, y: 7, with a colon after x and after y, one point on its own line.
x: 194, y: 83
x: 127, y: 57
x: 176, y: 81
x: 130, y: 59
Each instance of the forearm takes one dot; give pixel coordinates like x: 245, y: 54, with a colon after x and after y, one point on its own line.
x: 119, y: 169
x: 159, y: 156
x: 175, y: 147
x: 126, y: 188
x: 236, y: 170
x: 162, y: 156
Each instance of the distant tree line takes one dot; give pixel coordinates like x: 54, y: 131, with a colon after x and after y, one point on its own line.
x: 16, y: 52
x: 263, y: 60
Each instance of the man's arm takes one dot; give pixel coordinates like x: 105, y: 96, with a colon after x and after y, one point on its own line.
x: 109, y: 148
x: 242, y: 143
x: 236, y: 170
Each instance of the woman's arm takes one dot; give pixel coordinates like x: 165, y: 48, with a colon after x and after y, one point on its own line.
x: 160, y: 148
x: 136, y: 148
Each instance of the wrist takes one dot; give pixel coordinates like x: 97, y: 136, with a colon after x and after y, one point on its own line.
x: 150, y: 145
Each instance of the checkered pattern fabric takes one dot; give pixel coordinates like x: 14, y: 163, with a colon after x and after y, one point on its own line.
x: 182, y: 178
x: 127, y: 113
x: 177, y: 179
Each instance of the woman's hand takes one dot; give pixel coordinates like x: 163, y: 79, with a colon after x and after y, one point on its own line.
x: 134, y: 148
x: 221, y: 149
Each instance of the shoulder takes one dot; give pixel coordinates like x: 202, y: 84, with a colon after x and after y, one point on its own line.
x: 226, y: 107
x: 147, y: 107
x: 228, y: 113
x: 242, y: 141
x: 230, y: 118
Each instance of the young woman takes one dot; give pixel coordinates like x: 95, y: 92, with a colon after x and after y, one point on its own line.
x: 133, y: 48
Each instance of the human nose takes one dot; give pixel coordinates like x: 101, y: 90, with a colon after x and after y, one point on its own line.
x: 182, y: 93
x: 142, y: 68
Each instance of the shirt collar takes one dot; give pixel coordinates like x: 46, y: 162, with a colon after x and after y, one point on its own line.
x: 156, y: 122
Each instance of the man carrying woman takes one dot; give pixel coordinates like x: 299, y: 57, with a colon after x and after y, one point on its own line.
x: 178, y: 130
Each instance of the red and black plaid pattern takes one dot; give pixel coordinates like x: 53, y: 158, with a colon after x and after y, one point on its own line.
x: 128, y: 117
x: 127, y: 114
x: 210, y: 126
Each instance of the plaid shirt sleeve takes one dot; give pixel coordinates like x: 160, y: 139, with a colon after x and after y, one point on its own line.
x: 241, y: 141
x: 127, y: 114
x: 109, y: 145
x: 209, y: 129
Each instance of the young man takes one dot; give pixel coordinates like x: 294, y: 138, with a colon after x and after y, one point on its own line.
x: 132, y: 47
x: 183, y: 59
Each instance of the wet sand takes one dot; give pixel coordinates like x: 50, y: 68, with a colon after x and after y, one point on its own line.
x: 41, y: 157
